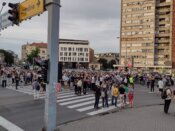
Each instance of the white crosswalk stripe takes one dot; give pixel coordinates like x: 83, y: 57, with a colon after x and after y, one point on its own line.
x: 76, y: 101
x: 83, y: 103
x: 101, y: 110
x: 73, y: 98
x: 29, y: 90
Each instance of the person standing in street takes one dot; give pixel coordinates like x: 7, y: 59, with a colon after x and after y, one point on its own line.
x: 131, y: 81
x: 122, y: 93
x: 104, y: 94
x: 79, y: 86
x: 17, y: 79
x: 97, y: 96
x: 152, y: 83
x: 4, y: 80
x: 115, y: 94
x: 131, y: 97
x: 36, y: 87
x: 168, y: 93
x: 160, y: 85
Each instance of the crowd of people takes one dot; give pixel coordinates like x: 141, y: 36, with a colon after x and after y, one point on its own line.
x: 19, y: 77
x: 113, y: 88
x: 105, y: 85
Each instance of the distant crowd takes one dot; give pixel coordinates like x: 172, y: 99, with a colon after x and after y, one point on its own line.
x: 113, y: 88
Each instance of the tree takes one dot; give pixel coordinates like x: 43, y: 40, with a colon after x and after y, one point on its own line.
x: 32, y: 55
x: 104, y: 63
x: 9, y: 58
x: 111, y: 63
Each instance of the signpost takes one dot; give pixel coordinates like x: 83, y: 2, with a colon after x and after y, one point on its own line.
x: 26, y: 10
x: 53, y: 8
x: 30, y: 8
x: 4, y: 22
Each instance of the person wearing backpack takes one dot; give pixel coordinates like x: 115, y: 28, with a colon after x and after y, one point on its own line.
x: 167, y: 96
x: 36, y: 87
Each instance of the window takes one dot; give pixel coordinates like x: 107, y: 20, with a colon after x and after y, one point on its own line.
x: 69, y: 49
x: 65, y: 53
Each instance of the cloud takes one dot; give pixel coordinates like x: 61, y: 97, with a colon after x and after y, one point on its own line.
x: 94, y: 20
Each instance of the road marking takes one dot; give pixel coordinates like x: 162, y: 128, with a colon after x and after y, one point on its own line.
x: 9, y: 125
x: 81, y: 104
x: 60, y: 97
x: 91, y: 107
x: 29, y: 93
x: 101, y: 110
x: 73, y: 98
x: 63, y: 94
x: 76, y: 101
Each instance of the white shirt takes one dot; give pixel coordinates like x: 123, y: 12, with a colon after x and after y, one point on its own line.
x: 161, y: 84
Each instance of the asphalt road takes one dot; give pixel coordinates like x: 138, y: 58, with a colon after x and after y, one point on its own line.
x: 23, y: 111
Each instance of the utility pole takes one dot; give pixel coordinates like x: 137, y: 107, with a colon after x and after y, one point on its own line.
x: 53, y: 8
x: 3, y: 4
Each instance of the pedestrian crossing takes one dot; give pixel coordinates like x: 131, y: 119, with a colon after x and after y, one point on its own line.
x: 82, y: 103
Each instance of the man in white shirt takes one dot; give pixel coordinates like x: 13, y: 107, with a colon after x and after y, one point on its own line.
x: 161, y: 85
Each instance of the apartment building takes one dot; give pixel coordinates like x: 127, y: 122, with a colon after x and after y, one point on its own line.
x: 28, y: 48
x: 70, y: 51
x: 147, y: 33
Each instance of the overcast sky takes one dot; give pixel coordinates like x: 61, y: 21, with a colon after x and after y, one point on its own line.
x: 95, y: 20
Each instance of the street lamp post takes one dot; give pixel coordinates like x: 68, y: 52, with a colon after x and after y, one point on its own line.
x: 3, y: 4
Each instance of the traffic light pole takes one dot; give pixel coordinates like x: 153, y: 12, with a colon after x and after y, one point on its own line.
x: 53, y: 8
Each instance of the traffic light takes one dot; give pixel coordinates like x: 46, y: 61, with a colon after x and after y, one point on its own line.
x: 43, y: 64
x: 14, y: 13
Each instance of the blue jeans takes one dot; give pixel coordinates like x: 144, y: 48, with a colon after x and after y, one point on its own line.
x: 114, y: 100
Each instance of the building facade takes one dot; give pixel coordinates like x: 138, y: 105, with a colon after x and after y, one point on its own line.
x: 147, y: 34
x: 28, y: 48
x: 70, y: 51
x: 108, y: 56
x: 74, y: 51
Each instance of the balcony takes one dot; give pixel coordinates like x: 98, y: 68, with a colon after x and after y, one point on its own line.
x: 163, y: 35
x: 162, y: 41
x: 164, y: 4
x: 163, y: 16
x: 164, y: 28
x: 163, y: 10
x: 162, y: 47
x: 164, y: 22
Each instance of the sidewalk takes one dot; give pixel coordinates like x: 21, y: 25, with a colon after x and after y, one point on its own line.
x: 150, y: 118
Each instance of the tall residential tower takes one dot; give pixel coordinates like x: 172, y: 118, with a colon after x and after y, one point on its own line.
x: 147, y: 33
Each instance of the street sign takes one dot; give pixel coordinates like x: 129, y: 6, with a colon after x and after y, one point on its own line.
x: 30, y: 8
x: 4, y: 21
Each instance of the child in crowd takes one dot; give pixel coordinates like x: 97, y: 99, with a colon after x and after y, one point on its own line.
x: 131, y: 97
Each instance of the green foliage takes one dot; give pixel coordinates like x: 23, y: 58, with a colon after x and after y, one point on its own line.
x: 104, y: 63
x: 111, y: 63
x: 9, y: 58
x: 32, y: 55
